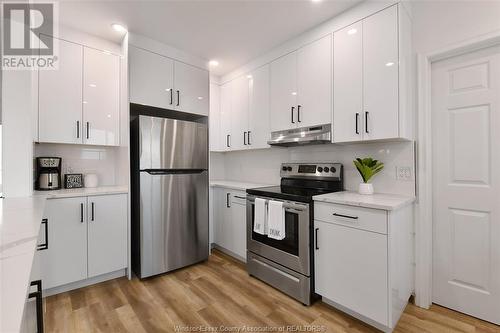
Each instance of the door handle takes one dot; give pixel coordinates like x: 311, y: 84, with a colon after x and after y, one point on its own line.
x: 228, y: 144
x: 357, y: 118
x: 171, y: 96
x: 78, y: 129
x: 88, y: 129
x: 45, y: 245
x: 293, y: 109
x: 345, y: 216
x: 81, y: 212
x: 245, y: 138
x: 316, y: 239
x: 366, y: 122
x: 298, y: 113
x: 178, y: 97
x: 39, y: 304
x: 228, y: 205
x: 248, y: 139
x: 92, y: 212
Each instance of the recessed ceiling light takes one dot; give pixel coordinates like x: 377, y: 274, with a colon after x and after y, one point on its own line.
x: 249, y: 76
x: 389, y: 64
x: 118, y: 27
x: 200, y: 98
x: 352, y: 31
x: 213, y: 63
x: 315, y: 0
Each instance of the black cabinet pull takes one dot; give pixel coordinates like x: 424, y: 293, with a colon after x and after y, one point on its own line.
x: 357, y: 118
x: 81, y: 212
x: 178, y: 97
x: 92, y: 212
x: 248, y: 139
x: 78, y: 129
x: 45, y: 245
x: 39, y: 304
x: 245, y: 138
x: 88, y: 129
x: 227, y: 140
x: 366, y: 122
x: 237, y: 196
x: 346, y: 216
x: 316, y: 238
x: 293, y: 109
x: 227, y: 200
x: 298, y: 113
x: 171, y: 96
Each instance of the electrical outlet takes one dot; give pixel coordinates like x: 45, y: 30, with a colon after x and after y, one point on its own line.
x: 403, y: 173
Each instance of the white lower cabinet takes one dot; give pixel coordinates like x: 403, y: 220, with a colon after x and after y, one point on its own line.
x: 363, y: 261
x: 230, y: 221
x: 87, y: 237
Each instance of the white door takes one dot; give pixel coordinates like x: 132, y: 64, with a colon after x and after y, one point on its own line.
x: 314, y: 83
x: 225, y: 116
x: 258, y: 113
x: 151, y: 78
x: 350, y: 275
x: 238, y: 225
x: 239, y: 113
x: 348, y: 84
x: 107, y: 234
x: 191, y: 86
x: 65, y: 260
x: 60, y: 97
x: 214, y: 119
x: 466, y: 183
x: 101, y: 98
x: 380, y: 75
x: 283, y: 99
x: 222, y: 217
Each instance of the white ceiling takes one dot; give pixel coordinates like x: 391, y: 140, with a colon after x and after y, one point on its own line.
x: 233, y: 32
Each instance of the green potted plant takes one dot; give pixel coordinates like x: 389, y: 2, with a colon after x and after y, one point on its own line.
x: 367, y: 168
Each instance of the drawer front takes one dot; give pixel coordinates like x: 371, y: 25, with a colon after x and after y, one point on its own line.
x: 356, y: 217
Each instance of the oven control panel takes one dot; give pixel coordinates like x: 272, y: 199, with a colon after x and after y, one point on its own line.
x: 323, y: 170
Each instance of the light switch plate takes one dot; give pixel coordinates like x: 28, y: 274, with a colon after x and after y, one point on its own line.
x: 404, y: 173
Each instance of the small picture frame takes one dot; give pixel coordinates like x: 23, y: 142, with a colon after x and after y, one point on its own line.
x: 73, y: 180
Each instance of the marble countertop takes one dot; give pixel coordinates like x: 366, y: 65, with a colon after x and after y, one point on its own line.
x: 377, y: 200
x: 82, y: 192
x: 236, y: 185
x: 20, y: 220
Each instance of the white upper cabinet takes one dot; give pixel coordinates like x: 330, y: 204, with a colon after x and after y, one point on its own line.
x: 147, y: 86
x: 314, y: 83
x: 380, y: 74
x: 101, y: 98
x: 301, y: 87
x: 348, y: 83
x: 214, y: 119
x: 258, y: 113
x: 283, y: 99
x: 60, y: 97
x: 239, y: 113
x: 191, y: 86
x: 372, y: 68
x: 225, y: 116
x: 161, y: 82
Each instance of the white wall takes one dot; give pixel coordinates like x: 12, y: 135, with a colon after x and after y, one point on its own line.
x: 263, y: 166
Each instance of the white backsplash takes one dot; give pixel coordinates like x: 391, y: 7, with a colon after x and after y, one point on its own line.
x: 83, y: 159
x: 263, y: 166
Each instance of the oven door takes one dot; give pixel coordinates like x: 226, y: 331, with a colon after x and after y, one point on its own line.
x: 293, y: 251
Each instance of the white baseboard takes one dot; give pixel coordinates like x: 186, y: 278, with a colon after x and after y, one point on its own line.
x: 229, y: 253
x: 84, y: 283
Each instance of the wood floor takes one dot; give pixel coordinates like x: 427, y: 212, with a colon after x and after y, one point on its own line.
x: 218, y: 292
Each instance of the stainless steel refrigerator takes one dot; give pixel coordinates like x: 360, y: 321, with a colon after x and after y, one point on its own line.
x: 169, y: 165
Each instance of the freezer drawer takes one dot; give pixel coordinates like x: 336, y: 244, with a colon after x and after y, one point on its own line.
x: 173, y: 221
x: 172, y: 144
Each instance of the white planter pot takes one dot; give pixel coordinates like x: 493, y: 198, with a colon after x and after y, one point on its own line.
x: 365, y: 188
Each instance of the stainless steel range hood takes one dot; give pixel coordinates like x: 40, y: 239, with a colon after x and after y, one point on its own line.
x: 302, y: 136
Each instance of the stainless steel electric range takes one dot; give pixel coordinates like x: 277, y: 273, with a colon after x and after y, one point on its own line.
x: 288, y: 264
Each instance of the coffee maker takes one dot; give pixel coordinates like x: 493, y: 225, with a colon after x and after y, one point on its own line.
x: 48, y: 173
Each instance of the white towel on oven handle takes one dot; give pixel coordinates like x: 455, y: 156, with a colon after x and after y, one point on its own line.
x: 260, y: 216
x: 276, y: 220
